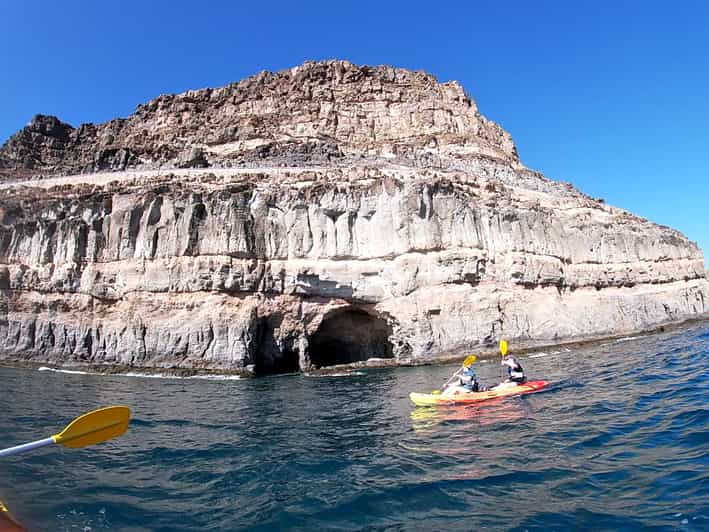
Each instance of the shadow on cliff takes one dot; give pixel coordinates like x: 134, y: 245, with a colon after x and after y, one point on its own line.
x: 350, y: 336
x: 273, y: 357
x: 344, y: 337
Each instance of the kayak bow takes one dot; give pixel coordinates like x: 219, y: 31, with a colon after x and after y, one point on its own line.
x: 429, y: 399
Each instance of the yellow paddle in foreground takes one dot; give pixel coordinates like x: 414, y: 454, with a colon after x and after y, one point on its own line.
x: 94, y: 427
x: 470, y: 359
x: 8, y: 522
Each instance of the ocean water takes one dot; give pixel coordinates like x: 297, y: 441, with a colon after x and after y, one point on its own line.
x: 619, y: 441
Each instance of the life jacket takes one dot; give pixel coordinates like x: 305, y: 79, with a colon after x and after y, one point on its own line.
x: 471, y: 382
x: 515, y: 372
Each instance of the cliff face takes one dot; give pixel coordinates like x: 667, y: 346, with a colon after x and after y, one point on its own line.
x: 386, y: 218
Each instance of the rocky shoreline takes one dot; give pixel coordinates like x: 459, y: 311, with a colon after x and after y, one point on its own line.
x: 313, y: 218
x: 485, y: 353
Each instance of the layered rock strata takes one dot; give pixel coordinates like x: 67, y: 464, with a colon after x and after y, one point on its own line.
x: 331, y: 113
x: 386, y: 219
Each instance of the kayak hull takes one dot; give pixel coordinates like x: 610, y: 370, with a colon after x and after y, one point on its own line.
x: 430, y: 399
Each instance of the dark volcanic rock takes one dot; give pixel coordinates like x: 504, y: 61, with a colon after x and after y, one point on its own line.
x: 317, y: 113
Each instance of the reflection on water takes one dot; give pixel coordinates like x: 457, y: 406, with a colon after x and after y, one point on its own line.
x: 487, y: 413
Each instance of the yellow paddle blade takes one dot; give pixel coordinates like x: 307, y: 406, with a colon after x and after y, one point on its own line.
x: 503, y: 347
x: 469, y: 360
x: 436, y: 392
x: 94, y: 427
x: 8, y: 522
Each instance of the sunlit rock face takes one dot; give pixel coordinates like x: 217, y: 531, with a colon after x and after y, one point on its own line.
x: 321, y: 215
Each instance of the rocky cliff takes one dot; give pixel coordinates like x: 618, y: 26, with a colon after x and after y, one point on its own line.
x: 324, y: 113
x: 325, y: 214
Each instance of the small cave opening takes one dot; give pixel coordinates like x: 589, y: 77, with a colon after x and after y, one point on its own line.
x: 269, y: 357
x: 350, y: 336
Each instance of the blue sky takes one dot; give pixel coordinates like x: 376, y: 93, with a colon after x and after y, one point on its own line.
x: 611, y: 96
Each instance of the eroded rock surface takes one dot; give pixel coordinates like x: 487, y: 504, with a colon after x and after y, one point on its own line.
x: 315, y: 216
x: 330, y: 113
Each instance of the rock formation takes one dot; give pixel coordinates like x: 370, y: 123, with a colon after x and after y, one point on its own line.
x: 325, y: 214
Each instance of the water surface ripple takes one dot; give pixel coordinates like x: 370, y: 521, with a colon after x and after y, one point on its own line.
x: 620, y: 441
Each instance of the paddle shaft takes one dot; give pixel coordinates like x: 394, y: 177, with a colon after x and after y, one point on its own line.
x: 503, y: 354
x: 26, y: 446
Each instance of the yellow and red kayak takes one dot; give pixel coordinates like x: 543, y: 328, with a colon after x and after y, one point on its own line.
x: 431, y: 399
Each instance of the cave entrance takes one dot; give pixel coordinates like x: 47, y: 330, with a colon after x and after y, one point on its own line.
x: 349, y: 336
x: 270, y: 358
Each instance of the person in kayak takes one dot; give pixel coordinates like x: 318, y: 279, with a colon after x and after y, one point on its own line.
x: 515, y: 372
x: 467, y: 382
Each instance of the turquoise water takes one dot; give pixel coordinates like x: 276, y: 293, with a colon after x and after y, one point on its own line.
x: 619, y: 441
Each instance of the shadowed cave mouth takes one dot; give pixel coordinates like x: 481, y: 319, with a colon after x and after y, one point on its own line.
x: 272, y: 359
x: 349, y: 336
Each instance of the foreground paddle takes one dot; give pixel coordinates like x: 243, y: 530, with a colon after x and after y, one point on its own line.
x: 470, y: 359
x: 7, y: 521
x: 94, y: 427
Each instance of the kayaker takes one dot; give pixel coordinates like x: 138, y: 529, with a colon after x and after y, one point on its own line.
x: 468, y: 379
x: 466, y: 382
x: 515, y: 373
